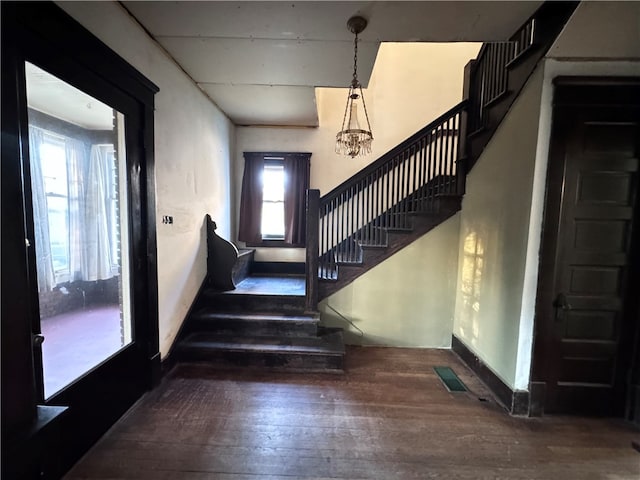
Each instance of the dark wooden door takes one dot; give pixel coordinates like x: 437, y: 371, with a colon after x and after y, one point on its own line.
x: 588, y: 265
x: 31, y: 447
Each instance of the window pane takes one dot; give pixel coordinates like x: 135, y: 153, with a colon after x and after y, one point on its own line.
x: 273, y: 202
x: 79, y: 202
x: 273, y: 220
x: 273, y: 189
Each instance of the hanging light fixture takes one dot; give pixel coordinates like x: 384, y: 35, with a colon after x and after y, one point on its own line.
x: 353, y: 140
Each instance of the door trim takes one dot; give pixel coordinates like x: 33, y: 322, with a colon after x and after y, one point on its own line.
x: 45, y: 35
x: 577, y: 92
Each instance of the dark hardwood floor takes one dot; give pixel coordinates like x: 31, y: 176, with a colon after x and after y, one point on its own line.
x: 387, y: 417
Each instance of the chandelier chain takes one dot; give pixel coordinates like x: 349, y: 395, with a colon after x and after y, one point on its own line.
x: 354, y: 82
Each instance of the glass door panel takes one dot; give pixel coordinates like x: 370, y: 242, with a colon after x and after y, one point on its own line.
x: 80, y: 205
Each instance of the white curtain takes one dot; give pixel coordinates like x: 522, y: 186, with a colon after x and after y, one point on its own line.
x: 44, y: 260
x: 97, y: 263
x: 76, y: 156
x: 91, y: 230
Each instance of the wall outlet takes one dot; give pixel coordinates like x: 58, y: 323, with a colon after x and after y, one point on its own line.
x: 167, y: 219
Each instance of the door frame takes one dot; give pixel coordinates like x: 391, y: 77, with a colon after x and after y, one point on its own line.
x: 612, y: 99
x: 45, y: 35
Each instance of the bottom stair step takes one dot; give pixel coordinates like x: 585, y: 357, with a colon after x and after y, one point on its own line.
x: 323, y: 353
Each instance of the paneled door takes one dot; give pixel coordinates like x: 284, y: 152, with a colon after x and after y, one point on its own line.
x: 587, y: 320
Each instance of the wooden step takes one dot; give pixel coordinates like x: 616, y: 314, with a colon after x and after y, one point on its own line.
x: 256, y: 325
x: 251, y: 303
x: 322, y: 353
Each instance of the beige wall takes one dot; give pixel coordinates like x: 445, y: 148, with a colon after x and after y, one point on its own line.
x: 407, y: 300
x: 600, y: 31
x: 502, y: 221
x: 494, y: 230
x: 410, y: 86
x: 193, y: 143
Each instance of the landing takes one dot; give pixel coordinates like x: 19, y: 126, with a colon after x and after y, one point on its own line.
x: 271, y: 285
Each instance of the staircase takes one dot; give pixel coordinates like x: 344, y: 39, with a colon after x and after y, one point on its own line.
x: 390, y: 203
x: 260, y: 330
x: 420, y: 183
x: 245, y: 320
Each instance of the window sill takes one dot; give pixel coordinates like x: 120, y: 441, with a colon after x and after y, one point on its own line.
x: 274, y: 244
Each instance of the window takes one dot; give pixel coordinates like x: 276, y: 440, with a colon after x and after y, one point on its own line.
x: 75, y: 185
x: 272, y: 205
x: 272, y: 225
x: 54, y: 172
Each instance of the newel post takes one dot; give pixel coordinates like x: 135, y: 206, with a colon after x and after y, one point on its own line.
x: 313, y: 246
x: 466, y: 115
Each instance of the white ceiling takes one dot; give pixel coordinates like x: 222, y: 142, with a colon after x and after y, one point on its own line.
x: 48, y: 94
x: 260, y: 61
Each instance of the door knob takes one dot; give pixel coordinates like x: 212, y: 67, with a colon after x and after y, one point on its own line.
x: 38, y: 340
x: 561, y: 305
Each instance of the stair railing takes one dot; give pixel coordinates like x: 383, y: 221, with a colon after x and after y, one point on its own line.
x: 490, y: 74
x: 406, y: 180
x: 412, y: 177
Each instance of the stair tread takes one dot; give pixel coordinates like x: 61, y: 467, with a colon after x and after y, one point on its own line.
x: 206, y: 314
x: 328, y: 344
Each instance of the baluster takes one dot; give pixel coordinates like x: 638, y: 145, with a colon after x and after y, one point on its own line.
x: 421, y: 176
x: 372, y: 213
x: 349, y: 208
x: 415, y: 180
x: 334, y: 233
x: 446, y: 133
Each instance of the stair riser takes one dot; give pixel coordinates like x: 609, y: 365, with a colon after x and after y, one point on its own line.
x: 253, y: 328
x: 272, y: 360
x: 255, y: 303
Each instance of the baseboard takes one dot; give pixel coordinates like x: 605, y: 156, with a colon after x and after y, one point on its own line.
x: 278, y: 268
x: 170, y: 360
x: 516, y: 402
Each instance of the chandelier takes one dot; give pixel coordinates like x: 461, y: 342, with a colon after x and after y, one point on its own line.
x: 353, y: 140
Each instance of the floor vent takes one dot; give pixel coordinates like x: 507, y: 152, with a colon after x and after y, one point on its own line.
x: 450, y: 379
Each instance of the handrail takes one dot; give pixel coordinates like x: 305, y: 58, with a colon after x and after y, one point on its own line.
x: 413, y: 177
x: 404, y: 145
x: 407, y: 180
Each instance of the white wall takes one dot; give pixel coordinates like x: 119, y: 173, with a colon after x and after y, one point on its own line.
x: 494, y: 230
x: 495, y: 316
x: 193, y: 148
x: 600, y: 31
x: 410, y: 86
x: 407, y: 300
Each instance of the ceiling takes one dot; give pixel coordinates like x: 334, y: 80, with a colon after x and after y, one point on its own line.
x: 261, y: 61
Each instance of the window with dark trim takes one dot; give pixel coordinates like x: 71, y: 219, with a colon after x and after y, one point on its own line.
x: 272, y: 205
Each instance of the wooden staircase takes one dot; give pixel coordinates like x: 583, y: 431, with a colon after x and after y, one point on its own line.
x: 260, y: 330
x: 245, y: 320
x: 387, y: 205
x: 420, y: 183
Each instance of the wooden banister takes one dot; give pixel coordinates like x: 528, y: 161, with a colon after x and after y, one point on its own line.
x: 311, y: 264
x: 395, y: 151
x: 417, y: 176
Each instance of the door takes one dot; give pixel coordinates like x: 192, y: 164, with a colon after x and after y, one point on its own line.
x: 586, y: 305
x: 77, y: 158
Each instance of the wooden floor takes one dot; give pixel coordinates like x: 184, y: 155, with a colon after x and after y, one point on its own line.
x: 387, y: 417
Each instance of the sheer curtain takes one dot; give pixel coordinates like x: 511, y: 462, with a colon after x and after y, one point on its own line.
x: 97, y: 261
x: 90, y: 229
x: 44, y: 258
x: 76, y: 156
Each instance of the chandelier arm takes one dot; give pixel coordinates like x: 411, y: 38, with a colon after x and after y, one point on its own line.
x: 366, y: 114
x: 346, y: 108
